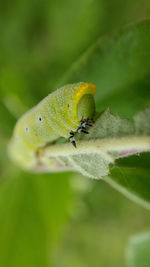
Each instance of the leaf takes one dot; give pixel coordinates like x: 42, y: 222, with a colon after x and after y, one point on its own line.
x: 109, y: 126
x: 130, y: 176
x: 142, y: 122
x: 96, y: 164
x: 33, y: 211
x: 110, y: 138
x: 117, y: 66
x: 138, y: 250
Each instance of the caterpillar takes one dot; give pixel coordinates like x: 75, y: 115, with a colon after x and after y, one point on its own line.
x: 64, y: 112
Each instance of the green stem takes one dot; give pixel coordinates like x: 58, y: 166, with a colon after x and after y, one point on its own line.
x: 123, y: 146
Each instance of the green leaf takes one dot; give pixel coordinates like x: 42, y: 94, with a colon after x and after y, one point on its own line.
x: 33, y: 211
x: 110, y: 138
x: 117, y: 65
x: 130, y: 176
x: 138, y: 250
x: 109, y: 126
x: 142, y: 122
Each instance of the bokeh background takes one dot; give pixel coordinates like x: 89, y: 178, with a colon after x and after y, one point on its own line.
x: 57, y: 220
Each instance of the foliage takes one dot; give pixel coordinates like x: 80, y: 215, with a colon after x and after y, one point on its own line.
x: 37, y: 49
x: 138, y: 253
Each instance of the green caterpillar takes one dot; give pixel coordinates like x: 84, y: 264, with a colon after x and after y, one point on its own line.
x: 64, y: 112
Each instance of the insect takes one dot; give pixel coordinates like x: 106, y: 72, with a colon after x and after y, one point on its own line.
x: 63, y: 113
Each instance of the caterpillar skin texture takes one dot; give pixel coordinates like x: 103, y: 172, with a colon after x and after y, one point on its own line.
x: 55, y: 116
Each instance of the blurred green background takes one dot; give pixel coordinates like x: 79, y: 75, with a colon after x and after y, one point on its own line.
x: 57, y: 220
